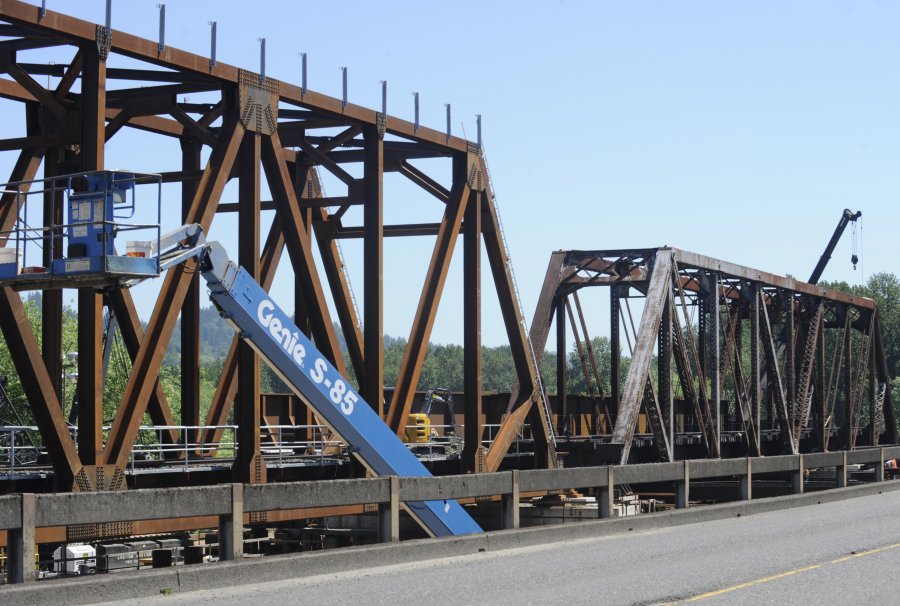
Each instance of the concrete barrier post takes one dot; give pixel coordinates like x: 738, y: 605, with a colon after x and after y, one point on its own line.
x: 797, y: 477
x: 746, y: 482
x: 606, y: 494
x: 683, y: 488
x: 879, y: 466
x: 231, y: 527
x: 20, y: 542
x: 389, y: 515
x: 840, y: 475
x: 509, y: 504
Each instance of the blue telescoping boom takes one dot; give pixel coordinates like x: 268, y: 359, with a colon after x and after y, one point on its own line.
x: 270, y: 332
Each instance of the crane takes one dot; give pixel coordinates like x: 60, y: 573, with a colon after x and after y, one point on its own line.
x: 847, y: 217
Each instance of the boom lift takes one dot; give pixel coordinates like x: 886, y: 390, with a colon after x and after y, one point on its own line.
x: 244, y: 304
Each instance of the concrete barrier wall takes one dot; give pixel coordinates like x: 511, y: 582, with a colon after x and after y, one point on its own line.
x: 151, y: 504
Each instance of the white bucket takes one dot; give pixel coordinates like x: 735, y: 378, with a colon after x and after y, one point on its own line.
x: 11, y: 255
x: 139, y: 248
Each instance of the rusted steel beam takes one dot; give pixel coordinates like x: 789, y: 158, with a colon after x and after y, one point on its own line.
x: 775, y: 386
x: 540, y: 323
x: 14, y: 91
x: 584, y: 362
x: 40, y: 93
x: 297, y: 239
x: 424, y: 181
x: 562, y: 362
x: 417, y: 346
x: 73, y: 71
x: 25, y: 15
x: 664, y: 363
x: 689, y: 259
x: 372, y: 381
x: 315, y: 203
x: 326, y: 162
x: 190, y: 311
x: 473, y: 451
x: 151, y: 124
x: 25, y: 169
x: 249, y: 467
x: 38, y: 387
x: 389, y: 231
x: 590, y: 349
x: 883, y: 377
x: 159, y: 331
x: 223, y: 399
x: 751, y: 290
x: 337, y: 278
x: 90, y: 301
x: 615, y: 349
x: 90, y: 376
x: 52, y: 300
x: 198, y: 131
x: 526, y: 372
x: 132, y: 335
x: 638, y: 373
x: 341, y: 138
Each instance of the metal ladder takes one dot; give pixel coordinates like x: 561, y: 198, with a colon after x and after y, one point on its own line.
x: 540, y: 383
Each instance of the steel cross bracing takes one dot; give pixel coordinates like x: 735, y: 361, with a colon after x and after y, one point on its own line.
x: 250, y: 127
x: 837, y: 351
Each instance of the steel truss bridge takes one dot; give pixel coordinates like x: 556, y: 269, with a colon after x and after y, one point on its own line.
x: 250, y: 129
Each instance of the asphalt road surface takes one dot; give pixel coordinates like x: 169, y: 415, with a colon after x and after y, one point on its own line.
x: 837, y: 553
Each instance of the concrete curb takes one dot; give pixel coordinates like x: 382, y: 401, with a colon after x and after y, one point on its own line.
x: 128, y: 585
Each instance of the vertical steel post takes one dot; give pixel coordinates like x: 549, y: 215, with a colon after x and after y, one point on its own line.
x: 162, y: 26
x: 108, y: 17
x: 478, y: 124
x: 472, y: 333
x: 90, y: 376
x: 755, y: 391
x: 302, y: 73
x: 190, y: 311
x: 562, y: 362
x: 416, y: 104
x: 231, y: 527
x: 262, y: 59
x: 683, y: 488
x: 52, y: 300
x: 20, y: 545
x: 714, y: 362
x: 849, y: 429
x: 90, y: 301
x: 383, y: 98
x: 249, y: 466
x: 664, y: 368
x: 389, y: 515
x: 344, y: 80
x: 373, y: 284
x: 509, y: 504
x: 447, y: 105
x: 212, y: 43
x: 615, y: 364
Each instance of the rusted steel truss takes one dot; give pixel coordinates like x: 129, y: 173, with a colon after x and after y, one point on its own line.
x: 727, y: 362
x: 249, y: 128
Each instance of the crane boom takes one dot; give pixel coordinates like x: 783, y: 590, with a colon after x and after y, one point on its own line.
x: 846, y: 218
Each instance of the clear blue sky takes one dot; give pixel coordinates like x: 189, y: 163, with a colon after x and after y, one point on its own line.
x: 739, y: 130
